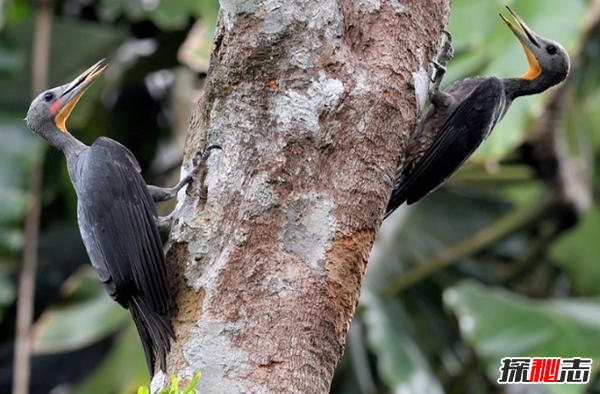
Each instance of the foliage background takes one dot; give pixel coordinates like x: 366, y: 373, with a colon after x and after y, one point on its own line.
x: 497, y: 263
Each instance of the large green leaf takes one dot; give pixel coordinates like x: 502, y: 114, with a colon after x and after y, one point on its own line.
x: 501, y: 324
x: 173, y: 14
x: 427, y: 229
x: 577, y: 253
x: 123, y: 370
x: 89, y: 316
x: 402, y: 365
x: 166, y: 14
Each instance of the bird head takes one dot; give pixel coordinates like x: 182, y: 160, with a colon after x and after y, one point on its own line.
x: 547, y: 59
x: 55, y: 105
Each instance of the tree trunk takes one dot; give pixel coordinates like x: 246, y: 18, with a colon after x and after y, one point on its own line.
x: 312, y: 101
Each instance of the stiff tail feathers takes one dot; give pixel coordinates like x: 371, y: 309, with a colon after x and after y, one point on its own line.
x: 155, y: 331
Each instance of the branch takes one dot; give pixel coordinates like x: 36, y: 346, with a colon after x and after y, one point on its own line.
x: 26, y: 293
x: 514, y: 221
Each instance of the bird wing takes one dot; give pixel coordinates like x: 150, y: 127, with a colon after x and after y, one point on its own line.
x: 460, y: 133
x: 117, y: 221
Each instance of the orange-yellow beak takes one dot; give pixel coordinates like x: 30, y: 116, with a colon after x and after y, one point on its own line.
x: 529, y: 42
x: 74, y: 90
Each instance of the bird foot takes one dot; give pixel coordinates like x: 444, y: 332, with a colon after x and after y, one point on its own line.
x: 447, y: 52
x: 200, y: 158
x: 199, y: 163
x: 440, y: 64
x: 164, y: 222
x: 166, y: 193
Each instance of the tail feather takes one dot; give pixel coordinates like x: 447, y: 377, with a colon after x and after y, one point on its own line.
x: 155, y: 331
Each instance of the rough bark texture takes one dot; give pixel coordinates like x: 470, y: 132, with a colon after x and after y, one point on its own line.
x: 312, y: 101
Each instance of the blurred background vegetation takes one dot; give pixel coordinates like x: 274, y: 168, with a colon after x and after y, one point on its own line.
x: 500, y: 262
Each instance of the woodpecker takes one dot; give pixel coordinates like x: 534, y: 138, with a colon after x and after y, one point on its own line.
x: 116, y: 215
x: 462, y: 116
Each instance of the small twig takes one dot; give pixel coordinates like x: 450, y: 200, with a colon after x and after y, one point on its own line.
x: 507, y: 173
x: 26, y: 295
x: 509, y: 224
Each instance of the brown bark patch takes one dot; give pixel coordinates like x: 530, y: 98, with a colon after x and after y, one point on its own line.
x: 345, y: 265
x: 187, y: 302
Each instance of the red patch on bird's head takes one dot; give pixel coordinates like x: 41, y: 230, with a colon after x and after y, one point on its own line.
x: 54, y: 107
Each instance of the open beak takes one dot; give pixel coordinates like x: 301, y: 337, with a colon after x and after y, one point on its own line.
x: 527, y: 37
x: 529, y: 42
x: 74, y: 90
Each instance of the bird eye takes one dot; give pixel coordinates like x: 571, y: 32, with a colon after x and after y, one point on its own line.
x: 49, y: 96
x: 551, y: 49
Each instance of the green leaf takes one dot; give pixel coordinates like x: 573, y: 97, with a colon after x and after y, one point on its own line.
x: 123, y: 370
x: 174, y: 384
x: 429, y: 228
x: 175, y: 14
x: 501, y: 324
x: 191, y: 387
x: 89, y: 317
x: 401, y: 363
x: 577, y: 253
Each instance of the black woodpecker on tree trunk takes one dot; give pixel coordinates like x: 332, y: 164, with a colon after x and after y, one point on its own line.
x: 462, y: 116
x: 116, y: 215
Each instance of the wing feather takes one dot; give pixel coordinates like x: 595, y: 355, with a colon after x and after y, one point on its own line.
x: 117, y: 215
x: 459, y: 135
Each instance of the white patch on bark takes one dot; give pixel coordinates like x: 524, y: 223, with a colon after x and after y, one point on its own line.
x: 278, y: 15
x: 362, y: 82
x: 421, y: 80
x: 396, y: 6
x: 369, y: 5
x: 158, y: 382
x: 262, y: 194
x: 232, y: 8
x: 205, y: 351
x: 276, y: 285
x: 301, y: 110
x: 242, y: 118
x: 198, y: 274
x: 310, y: 229
x: 327, y: 18
x: 278, y: 18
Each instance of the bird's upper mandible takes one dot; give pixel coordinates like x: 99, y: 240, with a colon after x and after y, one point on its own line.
x: 548, y: 60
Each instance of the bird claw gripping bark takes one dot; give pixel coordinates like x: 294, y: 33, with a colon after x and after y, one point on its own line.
x: 443, y: 58
x: 200, y: 158
x: 163, y: 194
x: 199, y: 162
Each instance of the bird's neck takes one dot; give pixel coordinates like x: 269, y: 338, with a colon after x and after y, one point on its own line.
x: 517, y: 87
x: 63, y: 141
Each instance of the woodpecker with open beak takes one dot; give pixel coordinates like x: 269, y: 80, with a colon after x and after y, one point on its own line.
x: 462, y: 116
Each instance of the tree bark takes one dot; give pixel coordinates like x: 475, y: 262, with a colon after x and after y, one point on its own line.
x: 312, y: 102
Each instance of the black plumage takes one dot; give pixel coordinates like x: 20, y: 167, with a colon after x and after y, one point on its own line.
x: 116, y: 215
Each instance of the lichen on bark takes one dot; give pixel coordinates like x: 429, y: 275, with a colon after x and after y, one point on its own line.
x: 312, y: 102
